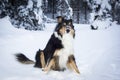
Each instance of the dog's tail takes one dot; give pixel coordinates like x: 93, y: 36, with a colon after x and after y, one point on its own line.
x: 23, y: 59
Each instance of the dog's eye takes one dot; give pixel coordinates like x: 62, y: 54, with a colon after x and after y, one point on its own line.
x: 64, y: 24
x: 69, y: 23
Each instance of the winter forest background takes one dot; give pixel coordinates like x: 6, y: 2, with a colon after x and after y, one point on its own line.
x: 33, y: 14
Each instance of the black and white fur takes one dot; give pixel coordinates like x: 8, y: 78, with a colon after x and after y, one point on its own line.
x: 59, y: 50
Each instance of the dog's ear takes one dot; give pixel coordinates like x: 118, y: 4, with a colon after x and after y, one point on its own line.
x: 60, y: 19
x: 71, y: 21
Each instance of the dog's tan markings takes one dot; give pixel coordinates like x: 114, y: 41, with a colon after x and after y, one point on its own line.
x: 62, y: 30
x: 54, y: 63
x: 72, y: 32
x: 56, y: 58
x: 59, y: 20
x: 72, y: 65
x: 56, y: 52
x: 64, y: 24
x: 42, y: 59
x: 49, y: 66
x: 68, y: 66
x: 69, y: 23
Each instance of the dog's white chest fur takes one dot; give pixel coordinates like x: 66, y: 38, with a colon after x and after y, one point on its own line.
x: 67, y: 41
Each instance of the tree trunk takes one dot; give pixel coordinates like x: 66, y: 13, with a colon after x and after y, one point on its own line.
x: 53, y: 9
x: 78, y: 16
x: 85, y: 12
x: 78, y: 12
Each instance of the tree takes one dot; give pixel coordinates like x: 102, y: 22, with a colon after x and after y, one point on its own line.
x: 101, y: 12
x: 115, y: 10
x: 24, y: 13
x: 81, y: 11
x: 64, y: 9
x: 3, y: 11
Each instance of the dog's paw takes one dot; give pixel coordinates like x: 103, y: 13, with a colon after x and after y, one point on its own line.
x: 45, y: 70
x: 42, y: 69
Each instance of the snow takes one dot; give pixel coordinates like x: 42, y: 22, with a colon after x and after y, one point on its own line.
x: 97, y: 53
x: 30, y: 4
x: 105, y: 23
x: 39, y: 3
x: 105, y: 4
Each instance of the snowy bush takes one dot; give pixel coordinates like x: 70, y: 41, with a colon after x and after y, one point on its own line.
x: 100, y: 14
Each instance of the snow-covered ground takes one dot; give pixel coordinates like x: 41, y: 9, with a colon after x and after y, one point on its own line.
x: 97, y: 53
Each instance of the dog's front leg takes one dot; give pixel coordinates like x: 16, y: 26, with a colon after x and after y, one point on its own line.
x: 71, y: 64
x: 49, y: 66
x: 42, y: 59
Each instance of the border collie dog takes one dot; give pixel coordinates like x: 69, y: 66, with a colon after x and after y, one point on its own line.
x: 59, y: 51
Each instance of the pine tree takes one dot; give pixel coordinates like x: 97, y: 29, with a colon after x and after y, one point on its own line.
x: 64, y: 9
x: 115, y: 5
x: 24, y: 13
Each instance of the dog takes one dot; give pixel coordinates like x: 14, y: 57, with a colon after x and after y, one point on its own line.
x: 59, y: 52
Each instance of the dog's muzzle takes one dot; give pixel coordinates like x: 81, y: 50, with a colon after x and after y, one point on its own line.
x: 68, y: 29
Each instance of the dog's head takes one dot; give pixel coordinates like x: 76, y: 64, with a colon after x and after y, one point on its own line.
x: 66, y: 27
x: 59, y: 19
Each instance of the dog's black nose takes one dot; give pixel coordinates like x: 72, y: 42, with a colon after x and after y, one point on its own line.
x: 67, y: 30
